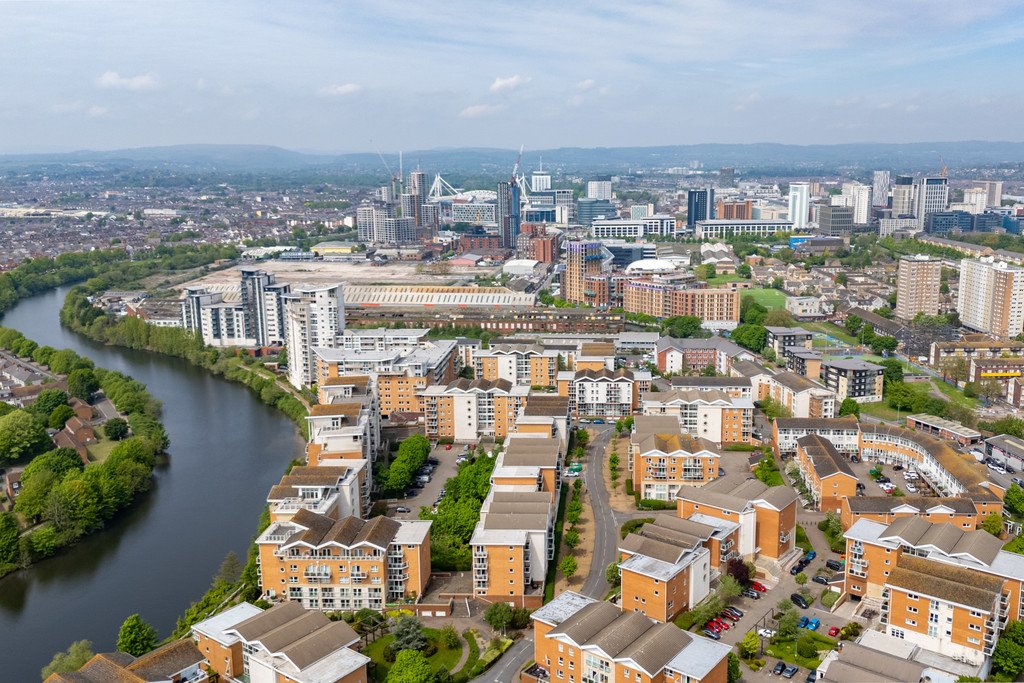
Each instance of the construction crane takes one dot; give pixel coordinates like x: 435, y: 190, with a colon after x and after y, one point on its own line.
x: 944, y: 167
x: 391, y: 173
x: 516, y: 167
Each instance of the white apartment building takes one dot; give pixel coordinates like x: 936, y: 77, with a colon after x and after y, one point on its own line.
x: 799, y: 204
x: 860, y: 200
x: 658, y: 224
x: 931, y: 195
x: 720, y: 229
x: 315, y: 316
x: 599, y: 189
x: 991, y: 296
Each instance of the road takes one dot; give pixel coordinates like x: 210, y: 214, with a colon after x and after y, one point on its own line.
x: 511, y: 663
x: 31, y: 367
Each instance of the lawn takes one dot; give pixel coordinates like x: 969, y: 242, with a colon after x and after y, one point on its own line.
x: 882, y: 410
x: 443, y: 657
x: 802, y: 541
x: 99, y: 451
x: 786, y: 649
x: 955, y: 395
x: 830, y: 329
x: 724, y: 278
x: 769, y: 298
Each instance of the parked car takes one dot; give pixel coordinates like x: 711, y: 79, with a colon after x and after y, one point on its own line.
x: 599, y: 422
x: 765, y: 633
x: 433, y: 461
x: 721, y: 471
x: 803, y: 622
x: 897, y: 467
x: 911, y: 488
x: 820, y: 579
x: 833, y: 632
x: 795, y: 569
x: 736, y: 611
x: 810, y: 555
x: 790, y: 671
x: 570, y: 474
x: 448, y: 447
x: 752, y: 594
x: 722, y: 622
x: 710, y: 634
x: 834, y: 565
x: 730, y: 616
x: 779, y: 668
x: 713, y: 626
x: 402, y: 508
x: 815, y: 623
x: 799, y: 600
x: 411, y: 493
x: 758, y: 586
x: 812, y: 676
x: 883, y: 480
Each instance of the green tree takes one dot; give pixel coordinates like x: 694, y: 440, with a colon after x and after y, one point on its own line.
x: 449, y: 636
x: 21, y: 435
x: 893, y: 370
x: 408, y: 633
x: 568, y: 566
x: 410, y: 667
x: 955, y: 368
x: 833, y: 524
x: 115, y: 429
x: 681, y: 326
x: 729, y: 588
x: 82, y: 383
x: 1008, y: 655
x: 498, y: 615
x: 733, y: 672
x: 993, y: 523
x: 849, y: 407
x: 136, y: 637
x: 582, y: 437
x: 900, y: 396
x: 9, y: 538
x: 853, y: 324
x: 572, y: 538
x: 841, y: 281
x: 788, y: 625
x: 611, y: 574
x: 47, y: 400
x: 1014, y: 500
x: 44, y: 541
x: 779, y: 317
x: 749, y: 645
x: 77, y: 654
x: 709, y: 371
x: 230, y: 570
x: 708, y: 609
x: 60, y: 415
x: 800, y: 579
x: 743, y: 270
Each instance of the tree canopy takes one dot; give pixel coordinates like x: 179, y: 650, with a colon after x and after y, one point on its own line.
x: 410, y: 667
x: 136, y: 637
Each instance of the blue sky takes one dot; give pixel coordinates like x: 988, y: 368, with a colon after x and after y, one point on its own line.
x: 348, y: 75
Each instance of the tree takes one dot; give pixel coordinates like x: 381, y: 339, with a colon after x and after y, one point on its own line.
x: 449, y: 636
x: 47, y: 400
x: 743, y: 270
x: 59, y: 416
x: 853, y: 324
x: 709, y: 371
x: 572, y: 538
x: 408, y: 633
x: 681, y: 326
x: 733, y: 672
x: 708, y: 609
x: 9, y: 538
x: 883, y: 313
x: 893, y: 370
x: 750, y: 336
x: 749, y: 645
x: 993, y: 523
x: 1014, y: 500
x: 784, y: 605
x: 82, y: 383
x: 738, y: 570
x: 779, y: 317
x: 21, y: 435
x: 410, y: 667
x: 136, y: 637
x: 611, y: 574
x: 800, y: 579
x: 498, y: 615
x: 1008, y: 655
x: 988, y: 389
x: 729, y: 588
x: 788, y: 625
x: 77, y: 654
x: 833, y: 524
x: 849, y: 407
x: 955, y: 368
x: 230, y: 569
x: 841, y: 281
x: 115, y: 429
x: 568, y: 566
x: 900, y: 396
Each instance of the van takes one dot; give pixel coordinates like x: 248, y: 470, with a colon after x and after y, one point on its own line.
x: 423, y: 478
x: 834, y: 565
x: 799, y: 601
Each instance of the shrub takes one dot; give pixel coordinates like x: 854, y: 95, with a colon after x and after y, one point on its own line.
x: 828, y: 598
x: 651, y: 504
x: 389, y: 654
x: 634, y: 524
x: 805, y: 648
x: 686, y: 620
x: 430, y: 650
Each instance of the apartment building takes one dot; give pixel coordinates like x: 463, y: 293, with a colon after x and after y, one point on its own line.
x: 721, y: 229
x: 664, y: 571
x: 344, y: 564
x: 256, y: 320
x: 662, y: 459
x: 283, y: 643
x: 826, y: 472
x: 465, y: 410
x: 680, y: 356
x: 579, y: 639
x: 960, y: 512
x: 603, y: 393
x: 583, y: 260
x: 179, y: 660
x: 523, y: 364
x: 331, y: 489
x: 1002, y: 370
x: 546, y: 415
x: 799, y: 395
x: 917, y: 285
x: 973, y: 346
x: 314, y: 317
x: 718, y: 309
x: 781, y: 337
x: 712, y: 415
x: 346, y: 427
x: 735, y: 387
x: 941, y: 428
x: 842, y: 432
x: 805, y: 307
x: 532, y: 461
x: 802, y: 362
x: 947, y: 590
x: 766, y: 515
x: 856, y: 379
x: 991, y: 296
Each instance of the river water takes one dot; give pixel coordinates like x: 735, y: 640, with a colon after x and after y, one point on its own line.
x: 227, y: 450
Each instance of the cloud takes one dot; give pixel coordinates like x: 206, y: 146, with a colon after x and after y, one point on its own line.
x: 477, y: 111
x: 848, y: 102
x: 744, y: 102
x: 913, y: 107
x: 604, y: 90
x: 204, y: 85
x: 111, y: 80
x: 66, y: 107
x: 586, y: 85
x: 510, y: 83
x: 575, y: 100
x: 339, y: 90
x: 95, y: 111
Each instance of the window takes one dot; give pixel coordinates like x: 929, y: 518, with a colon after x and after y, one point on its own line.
x: 560, y: 674
x: 974, y: 627
x: 911, y: 622
x: 912, y: 610
x: 973, y: 641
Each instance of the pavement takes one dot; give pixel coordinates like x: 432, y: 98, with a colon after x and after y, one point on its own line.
x: 446, y: 469
x: 508, y: 667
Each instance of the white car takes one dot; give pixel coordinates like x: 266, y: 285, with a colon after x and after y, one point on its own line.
x: 570, y: 473
x: 765, y: 633
x: 911, y: 488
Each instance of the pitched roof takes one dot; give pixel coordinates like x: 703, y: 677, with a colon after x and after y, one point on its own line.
x: 350, y: 531
x: 302, y: 636
x: 946, y: 582
x: 946, y: 538
x: 795, y: 382
x: 845, y: 422
x: 711, y: 382
x: 888, y: 504
x: 824, y: 456
x: 163, y: 662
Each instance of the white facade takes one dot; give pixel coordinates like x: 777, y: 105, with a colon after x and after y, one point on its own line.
x: 599, y: 189
x: 799, y: 204
x: 975, y: 200
x: 860, y: 200
x: 880, y: 188
x: 659, y: 224
x: 720, y: 229
x: 977, y: 300
x: 223, y: 325
x: 931, y: 196
x: 315, y: 317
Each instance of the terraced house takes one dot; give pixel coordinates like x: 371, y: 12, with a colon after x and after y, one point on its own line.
x: 662, y: 459
x: 347, y: 564
x: 579, y: 639
x: 960, y: 512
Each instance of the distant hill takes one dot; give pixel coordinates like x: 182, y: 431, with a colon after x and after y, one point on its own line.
x: 909, y: 157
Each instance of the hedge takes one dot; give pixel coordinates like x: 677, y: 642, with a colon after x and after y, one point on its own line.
x: 634, y: 524
x: 686, y: 620
x: 828, y: 598
x: 651, y: 504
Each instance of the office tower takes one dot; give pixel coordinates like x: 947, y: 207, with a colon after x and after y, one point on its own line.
x: 314, y: 317
x: 599, y: 189
x: 859, y: 196
x: 994, y: 188
x: 942, y: 222
x: 799, y: 204
x: 976, y: 200
x: 903, y: 196
x: 581, y: 260
x: 880, y: 188
x: 930, y: 196
x: 589, y: 209
x: 991, y: 296
x: 735, y: 210
x: 638, y: 211
x: 540, y: 181
x: 700, y: 206
x: 835, y: 221
x: 727, y: 177
x: 917, y: 286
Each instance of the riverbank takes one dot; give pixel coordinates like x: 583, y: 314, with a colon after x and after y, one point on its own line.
x: 80, y: 316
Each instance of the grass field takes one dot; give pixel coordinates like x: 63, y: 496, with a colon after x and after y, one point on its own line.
x: 956, y: 395
x: 724, y: 278
x: 99, y: 451
x: 829, y: 328
x: 443, y: 657
x: 881, y: 410
x: 769, y: 298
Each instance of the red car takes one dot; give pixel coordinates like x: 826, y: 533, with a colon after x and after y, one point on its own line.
x: 448, y: 447
x: 758, y: 586
x: 721, y: 622
x: 833, y: 632
x: 730, y: 617
x: 714, y: 627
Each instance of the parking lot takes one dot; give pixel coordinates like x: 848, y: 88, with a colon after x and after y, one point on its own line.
x: 446, y: 468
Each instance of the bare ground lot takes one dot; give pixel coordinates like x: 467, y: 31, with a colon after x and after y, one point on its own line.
x: 329, y: 272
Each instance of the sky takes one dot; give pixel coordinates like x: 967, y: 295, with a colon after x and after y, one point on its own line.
x: 349, y: 76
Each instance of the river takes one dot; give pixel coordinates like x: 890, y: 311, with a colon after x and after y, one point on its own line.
x: 227, y: 450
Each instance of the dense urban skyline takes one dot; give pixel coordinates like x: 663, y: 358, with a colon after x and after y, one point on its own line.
x: 318, y: 77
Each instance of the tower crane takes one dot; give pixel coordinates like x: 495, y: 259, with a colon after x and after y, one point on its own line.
x: 394, y: 178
